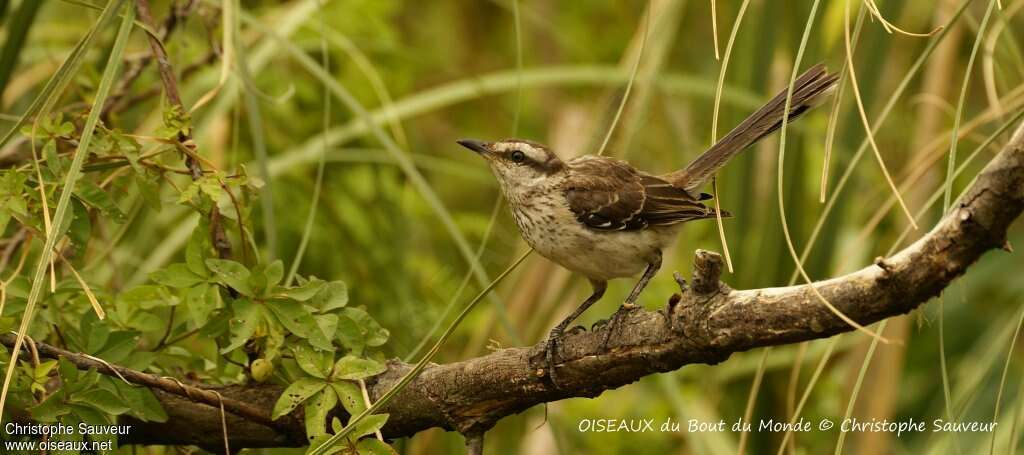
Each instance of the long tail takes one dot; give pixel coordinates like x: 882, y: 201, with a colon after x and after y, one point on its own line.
x: 808, y: 90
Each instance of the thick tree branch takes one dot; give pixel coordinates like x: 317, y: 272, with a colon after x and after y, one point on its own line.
x: 705, y: 324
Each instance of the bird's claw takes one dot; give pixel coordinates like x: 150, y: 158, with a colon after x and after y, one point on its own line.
x: 613, y: 323
x: 549, y: 356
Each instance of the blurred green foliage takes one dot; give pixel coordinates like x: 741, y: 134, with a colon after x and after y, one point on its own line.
x: 433, y: 72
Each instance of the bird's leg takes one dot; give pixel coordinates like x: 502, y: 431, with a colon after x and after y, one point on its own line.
x: 630, y: 303
x: 556, y: 333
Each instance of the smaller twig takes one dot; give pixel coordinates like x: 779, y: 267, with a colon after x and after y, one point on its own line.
x: 12, y: 244
x: 366, y: 400
x: 167, y: 331
x: 475, y: 444
x: 220, y: 238
x: 224, y: 424
x: 241, y: 222
x: 178, y: 338
x: 707, y: 268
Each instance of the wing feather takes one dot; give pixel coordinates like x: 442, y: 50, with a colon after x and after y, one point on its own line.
x: 609, y: 194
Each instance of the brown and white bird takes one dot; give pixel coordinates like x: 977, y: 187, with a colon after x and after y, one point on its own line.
x: 604, y: 219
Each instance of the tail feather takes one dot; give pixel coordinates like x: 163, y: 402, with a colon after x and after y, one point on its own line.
x: 808, y: 91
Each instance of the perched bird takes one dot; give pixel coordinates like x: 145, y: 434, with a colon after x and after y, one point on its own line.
x: 604, y: 219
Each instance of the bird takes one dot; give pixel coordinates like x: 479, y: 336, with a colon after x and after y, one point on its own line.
x: 602, y: 218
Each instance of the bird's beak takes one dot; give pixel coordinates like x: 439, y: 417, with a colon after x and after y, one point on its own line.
x: 480, y: 147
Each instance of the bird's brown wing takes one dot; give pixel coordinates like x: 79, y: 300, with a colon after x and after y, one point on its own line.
x: 608, y: 194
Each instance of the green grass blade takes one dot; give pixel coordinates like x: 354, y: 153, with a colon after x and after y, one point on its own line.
x: 856, y: 386
x: 1002, y: 379
x: 499, y: 82
x: 314, y: 203
x: 947, y: 194
x: 254, y: 116
x: 960, y: 105
x: 519, y: 67
x: 55, y: 85
x: 21, y: 24
x: 632, y: 79
x: 893, y: 99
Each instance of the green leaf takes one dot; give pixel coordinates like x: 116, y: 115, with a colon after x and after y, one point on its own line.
x: 244, y: 323
x: 68, y: 371
x: 42, y: 371
x: 89, y: 414
x: 352, y: 367
x: 328, y: 324
x: 142, y: 402
x: 103, y: 400
x: 80, y: 227
x: 176, y: 276
x: 371, y: 446
x: 315, y: 363
x: 190, y: 194
x: 52, y: 160
x: 147, y: 297
x: 212, y: 187
x: 197, y: 249
x: 86, y: 381
x: 176, y: 121
x: 230, y: 273
x: 12, y: 183
x: 304, y: 291
x: 331, y: 297
x: 140, y: 360
x: 149, y: 190
x: 350, y: 334
x: 93, y: 195
x: 50, y: 409
x: 316, y: 412
x: 373, y: 333
x: 217, y: 325
x: 274, y: 273
x: 146, y: 322
x: 296, y: 393
x: 350, y: 396
x: 200, y: 301
x: 298, y: 320
x: 369, y: 425
x: 5, y: 218
x: 265, y: 276
x: 321, y: 440
x: 95, y: 332
x: 41, y: 374
x: 119, y: 346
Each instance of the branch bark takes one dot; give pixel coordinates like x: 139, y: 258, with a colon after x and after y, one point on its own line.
x: 703, y: 324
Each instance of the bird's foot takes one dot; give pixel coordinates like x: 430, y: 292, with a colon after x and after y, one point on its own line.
x: 550, y: 353
x: 613, y: 323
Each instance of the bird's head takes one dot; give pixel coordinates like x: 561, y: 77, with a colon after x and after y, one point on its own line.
x: 517, y: 162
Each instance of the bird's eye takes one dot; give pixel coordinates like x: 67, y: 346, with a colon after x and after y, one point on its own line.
x: 517, y: 156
